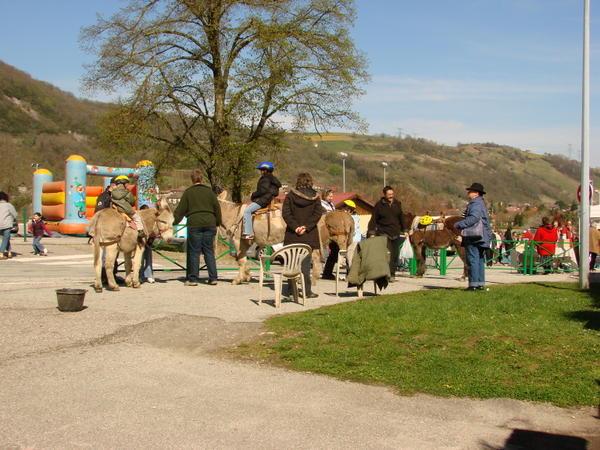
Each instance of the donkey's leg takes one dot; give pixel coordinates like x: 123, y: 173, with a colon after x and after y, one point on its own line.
x: 128, y: 272
x: 316, y: 266
x: 461, y: 254
x: 97, y: 267
x: 421, y: 254
x: 111, y: 251
x: 242, y: 260
x: 137, y: 262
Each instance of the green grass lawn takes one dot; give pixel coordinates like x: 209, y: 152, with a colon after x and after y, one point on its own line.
x: 536, y: 342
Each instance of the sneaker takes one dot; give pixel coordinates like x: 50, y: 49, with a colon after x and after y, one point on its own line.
x: 45, y: 252
x: 2, y: 256
x: 212, y: 282
x: 151, y: 280
x: 483, y: 288
x: 190, y: 283
x: 312, y: 295
x: 471, y: 289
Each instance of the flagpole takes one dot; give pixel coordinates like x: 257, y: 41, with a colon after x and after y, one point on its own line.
x: 584, y: 212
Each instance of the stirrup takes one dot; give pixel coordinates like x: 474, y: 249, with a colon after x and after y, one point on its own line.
x: 248, y: 237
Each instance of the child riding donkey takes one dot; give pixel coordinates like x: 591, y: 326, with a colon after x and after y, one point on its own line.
x: 124, y: 200
x: 266, y: 190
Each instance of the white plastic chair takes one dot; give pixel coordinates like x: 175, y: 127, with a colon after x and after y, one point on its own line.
x: 290, y: 269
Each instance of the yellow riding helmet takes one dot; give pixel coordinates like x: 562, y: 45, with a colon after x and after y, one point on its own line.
x: 122, y: 179
x: 350, y: 203
x: 425, y: 220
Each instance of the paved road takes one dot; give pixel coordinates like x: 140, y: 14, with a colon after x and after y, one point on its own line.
x: 138, y: 369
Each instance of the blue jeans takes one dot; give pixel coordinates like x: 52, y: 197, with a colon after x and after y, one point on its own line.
x: 201, y: 240
x: 4, y: 246
x: 476, y: 265
x: 37, y: 245
x: 248, y: 230
x: 146, y: 266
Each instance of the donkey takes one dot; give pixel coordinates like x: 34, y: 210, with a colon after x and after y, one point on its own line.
x: 422, y: 239
x: 110, y: 232
x: 269, y: 229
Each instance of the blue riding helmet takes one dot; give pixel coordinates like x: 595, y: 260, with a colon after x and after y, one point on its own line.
x: 266, y: 165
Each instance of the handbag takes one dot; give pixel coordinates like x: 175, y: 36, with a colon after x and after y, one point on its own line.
x: 474, y: 232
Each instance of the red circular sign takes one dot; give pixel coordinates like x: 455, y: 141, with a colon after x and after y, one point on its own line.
x: 579, y: 193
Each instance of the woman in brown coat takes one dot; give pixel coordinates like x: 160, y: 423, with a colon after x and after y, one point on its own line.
x: 301, y: 211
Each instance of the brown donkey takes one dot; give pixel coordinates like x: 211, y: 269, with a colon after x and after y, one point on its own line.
x: 448, y: 236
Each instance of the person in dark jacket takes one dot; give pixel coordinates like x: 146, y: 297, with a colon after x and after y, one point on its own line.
x: 475, y: 247
x: 387, y: 220
x: 302, y: 211
x: 201, y: 207
x: 267, y: 189
x: 37, y: 228
x: 104, y: 200
x: 124, y: 200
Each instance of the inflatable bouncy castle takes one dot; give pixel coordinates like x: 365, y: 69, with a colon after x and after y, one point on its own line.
x: 68, y: 205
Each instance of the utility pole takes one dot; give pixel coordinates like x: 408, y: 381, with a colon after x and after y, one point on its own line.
x: 584, y: 212
x: 344, y: 156
x: 384, y: 165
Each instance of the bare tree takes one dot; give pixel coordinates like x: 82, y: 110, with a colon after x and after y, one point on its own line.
x: 216, y: 77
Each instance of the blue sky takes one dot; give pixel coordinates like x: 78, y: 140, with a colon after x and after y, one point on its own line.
x: 506, y: 71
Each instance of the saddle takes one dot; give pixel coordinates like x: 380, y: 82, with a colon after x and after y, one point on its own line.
x: 273, y: 210
x: 268, y: 209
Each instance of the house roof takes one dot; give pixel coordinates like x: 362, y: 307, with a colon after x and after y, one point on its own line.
x: 340, y: 197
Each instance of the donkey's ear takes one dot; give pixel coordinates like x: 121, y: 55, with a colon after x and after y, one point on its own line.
x: 222, y: 195
x: 162, y: 204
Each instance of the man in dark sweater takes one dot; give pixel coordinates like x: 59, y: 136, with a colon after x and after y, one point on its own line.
x: 387, y: 220
x: 200, y: 206
x: 104, y: 200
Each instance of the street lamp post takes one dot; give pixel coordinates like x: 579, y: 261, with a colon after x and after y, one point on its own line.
x: 344, y: 156
x: 385, y: 166
x: 584, y: 213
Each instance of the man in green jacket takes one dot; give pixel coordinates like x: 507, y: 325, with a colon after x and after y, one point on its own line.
x: 200, y: 206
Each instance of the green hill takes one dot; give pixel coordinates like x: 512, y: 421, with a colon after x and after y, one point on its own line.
x: 430, y: 176
x: 41, y: 124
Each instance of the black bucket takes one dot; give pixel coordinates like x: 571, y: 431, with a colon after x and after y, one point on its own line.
x: 70, y: 300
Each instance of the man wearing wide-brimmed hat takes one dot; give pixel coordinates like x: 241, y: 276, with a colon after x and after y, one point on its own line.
x: 477, y: 235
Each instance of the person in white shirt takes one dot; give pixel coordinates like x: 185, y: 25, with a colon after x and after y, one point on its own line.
x: 327, y: 201
x: 350, y: 206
